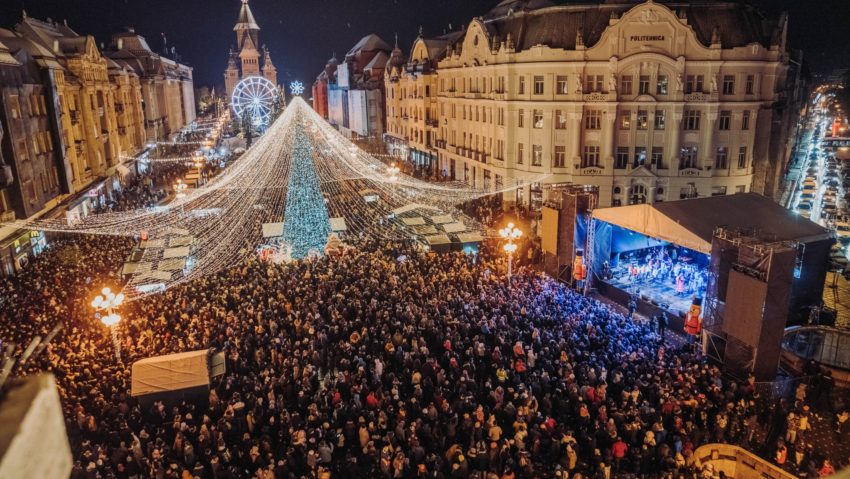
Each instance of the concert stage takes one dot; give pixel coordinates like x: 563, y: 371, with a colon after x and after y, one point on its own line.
x: 681, y: 232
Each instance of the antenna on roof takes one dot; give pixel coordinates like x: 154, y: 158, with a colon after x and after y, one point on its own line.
x: 23, y: 14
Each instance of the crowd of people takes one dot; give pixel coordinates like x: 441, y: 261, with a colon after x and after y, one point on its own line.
x: 383, y: 362
x: 386, y: 361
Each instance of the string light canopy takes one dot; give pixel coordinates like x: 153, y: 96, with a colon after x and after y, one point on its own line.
x: 302, y: 175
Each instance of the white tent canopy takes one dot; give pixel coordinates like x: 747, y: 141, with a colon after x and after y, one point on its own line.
x: 170, y: 373
x: 649, y: 221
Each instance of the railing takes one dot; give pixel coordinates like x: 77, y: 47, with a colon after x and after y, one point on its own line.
x: 737, y: 462
x: 598, y: 96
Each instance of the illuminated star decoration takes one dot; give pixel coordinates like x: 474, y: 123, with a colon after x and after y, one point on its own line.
x: 296, y: 88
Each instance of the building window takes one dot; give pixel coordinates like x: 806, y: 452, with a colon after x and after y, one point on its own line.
x: 538, y: 85
x: 691, y: 120
x: 521, y: 86
x: 560, y: 156
x: 718, y: 191
x: 741, y: 189
x: 721, y: 159
x: 538, y: 119
x: 643, y: 86
x: 626, y: 85
x: 590, y: 157
x: 745, y: 121
x: 729, y: 84
x: 694, y: 84
x: 622, y: 157
x: 536, y: 155
x: 750, y: 85
x: 640, y: 156
x: 688, y: 159
x: 593, y: 120
x: 625, y: 120
x: 561, y: 85
x: 657, y: 159
x: 560, y: 120
x: 500, y: 120
x: 638, y: 194
x: 593, y: 83
x: 661, y: 85
x: 742, y: 157
x: 660, y: 120
x: 15, y: 106
x: 521, y: 118
x: 725, y: 121
x: 642, y: 119
x: 520, y: 153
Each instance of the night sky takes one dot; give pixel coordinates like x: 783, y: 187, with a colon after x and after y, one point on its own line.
x: 302, y: 34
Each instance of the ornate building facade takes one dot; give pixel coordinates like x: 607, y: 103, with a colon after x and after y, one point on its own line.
x: 356, y: 100
x: 69, y: 116
x: 649, y: 101
x: 321, y: 86
x: 245, y: 60
x: 167, y: 87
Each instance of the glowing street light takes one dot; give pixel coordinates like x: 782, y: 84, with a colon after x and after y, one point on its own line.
x: 392, y: 175
x: 180, y: 189
x: 510, y: 234
x: 104, y: 305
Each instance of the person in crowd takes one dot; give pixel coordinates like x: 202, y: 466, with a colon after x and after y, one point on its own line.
x: 359, y: 365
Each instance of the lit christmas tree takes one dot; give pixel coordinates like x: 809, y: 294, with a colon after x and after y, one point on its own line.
x: 305, y: 220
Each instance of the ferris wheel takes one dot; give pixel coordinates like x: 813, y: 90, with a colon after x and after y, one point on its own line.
x: 255, y: 97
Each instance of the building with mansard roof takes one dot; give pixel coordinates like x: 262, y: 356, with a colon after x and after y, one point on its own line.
x: 648, y: 100
x: 356, y: 98
x: 244, y: 61
x: 167, y: 86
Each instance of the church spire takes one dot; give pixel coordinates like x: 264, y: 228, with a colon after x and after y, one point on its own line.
x: 246, y: 26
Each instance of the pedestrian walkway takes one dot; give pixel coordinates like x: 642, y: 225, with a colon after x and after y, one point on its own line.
x: 836, y: 295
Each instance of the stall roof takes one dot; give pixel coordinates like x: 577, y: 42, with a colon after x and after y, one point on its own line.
x: 691, y: 223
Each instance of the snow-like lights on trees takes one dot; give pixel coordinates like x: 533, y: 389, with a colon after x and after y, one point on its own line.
x: 296, y: 88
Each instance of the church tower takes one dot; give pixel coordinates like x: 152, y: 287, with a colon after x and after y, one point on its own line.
x: 231, y: 74
x: 250, y: 58
x: 269, y: 71
x: 246, y: 27
x: 245, y: 62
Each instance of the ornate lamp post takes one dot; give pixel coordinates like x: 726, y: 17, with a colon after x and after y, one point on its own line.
x: 392, y: 175
x: 104, y: 305
x: 510, y: 233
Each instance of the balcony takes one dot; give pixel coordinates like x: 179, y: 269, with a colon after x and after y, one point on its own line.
x: 700, y: 97
x: 598, y: 96
x: 690, y: 172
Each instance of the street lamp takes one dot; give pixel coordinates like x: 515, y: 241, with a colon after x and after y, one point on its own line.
x: 510, y: 234
x: 392, y: 175
x: 179, y: 189
x: 106, y: 302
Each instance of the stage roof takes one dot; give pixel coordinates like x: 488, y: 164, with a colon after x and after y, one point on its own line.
x: 691, y: 223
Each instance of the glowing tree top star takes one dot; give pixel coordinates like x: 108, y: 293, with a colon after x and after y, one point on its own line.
x: 296, y: 88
